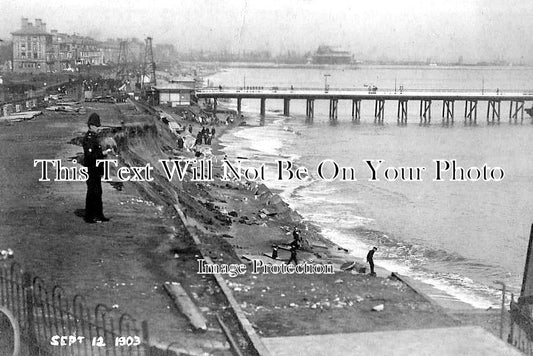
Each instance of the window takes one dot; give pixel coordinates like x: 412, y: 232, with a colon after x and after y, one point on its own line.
x: 35, y: 55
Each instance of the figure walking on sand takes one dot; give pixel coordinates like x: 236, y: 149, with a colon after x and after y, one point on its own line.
x: 92, y: 151
x: 370, y: 260
x: 297, y: 238
x: 293, y: 256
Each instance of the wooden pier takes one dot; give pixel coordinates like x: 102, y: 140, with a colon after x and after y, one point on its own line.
x: 426, y: 98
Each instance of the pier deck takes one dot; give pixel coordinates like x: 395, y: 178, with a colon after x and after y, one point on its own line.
x: 515, y: 99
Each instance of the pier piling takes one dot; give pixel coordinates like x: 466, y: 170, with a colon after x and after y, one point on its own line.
x: 448, y: 111
x: 333, y: 104
x: 425, y: 111
x: 518, y: 109
x: 379, y: 111
x: 493, y: 109
x: 262, y: 109
x: 356, y: 111
x: 471, y: 111
x: 402, y: 112
x: 286, y: 107
x: 310, y: 109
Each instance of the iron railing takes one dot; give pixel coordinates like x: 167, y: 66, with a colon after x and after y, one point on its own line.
x: 52, y: 324
x: 363, y: 90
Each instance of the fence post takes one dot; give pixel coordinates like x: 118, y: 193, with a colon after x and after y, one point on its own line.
x: 510, y: 337
x: 146, y: 337
x: 28, y: 305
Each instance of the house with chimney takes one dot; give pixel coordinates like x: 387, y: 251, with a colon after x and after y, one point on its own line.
x: 35, y: 50
x: 32, y: 47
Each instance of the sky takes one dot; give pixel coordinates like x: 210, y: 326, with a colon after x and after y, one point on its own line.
x: 443, y: 30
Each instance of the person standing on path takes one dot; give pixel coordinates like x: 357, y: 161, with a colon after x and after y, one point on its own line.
x: 92, y: 151
x: 370, y: 260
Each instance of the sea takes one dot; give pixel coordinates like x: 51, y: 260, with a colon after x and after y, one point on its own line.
x: 458, y: 236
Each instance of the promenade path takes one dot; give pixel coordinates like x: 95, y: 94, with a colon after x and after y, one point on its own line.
x: 465, y: 341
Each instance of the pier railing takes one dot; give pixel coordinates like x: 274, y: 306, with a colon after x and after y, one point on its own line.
x: 356, y: 90
x: 50, y: 323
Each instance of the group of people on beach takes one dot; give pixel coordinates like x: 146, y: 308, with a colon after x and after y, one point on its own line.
x: 202, y: 118
x: 296, y: 244
x: 205, y: 135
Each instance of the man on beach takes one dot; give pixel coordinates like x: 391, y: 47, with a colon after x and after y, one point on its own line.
x: 370, y: 260
x: 297, y: 238
x: 293, y: 255
x: 92, y: 151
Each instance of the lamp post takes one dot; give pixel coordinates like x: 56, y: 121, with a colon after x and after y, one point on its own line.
x: 326, y: 82
x: 503, y: 307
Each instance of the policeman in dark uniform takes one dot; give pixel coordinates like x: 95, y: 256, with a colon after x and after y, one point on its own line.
x: 92, y: 151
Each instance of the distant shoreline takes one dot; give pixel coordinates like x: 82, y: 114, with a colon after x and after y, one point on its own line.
x: 356, y: 66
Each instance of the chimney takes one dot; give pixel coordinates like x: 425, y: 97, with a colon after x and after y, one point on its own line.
x: 24, y: 23
x: 38, y: 23
x: 43, y: 26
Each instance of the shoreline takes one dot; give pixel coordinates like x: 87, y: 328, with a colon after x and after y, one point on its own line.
x: 358, y: 66
x: 459, y: 293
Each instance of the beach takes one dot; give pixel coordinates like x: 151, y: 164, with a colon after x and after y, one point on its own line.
x: 124, y: 263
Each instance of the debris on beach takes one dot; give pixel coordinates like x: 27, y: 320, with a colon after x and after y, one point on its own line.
x: 379, y: 307
x: 238, y: 287
x: 7, y: 254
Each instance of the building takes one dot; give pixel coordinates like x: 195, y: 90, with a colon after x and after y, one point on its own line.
x: 36, y: 50
x: 71, y: 51
x: 177, y: 92
x: 88, y: 52
x: 111, y: 50
x: 32, y: 47
x: 330, y: 55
